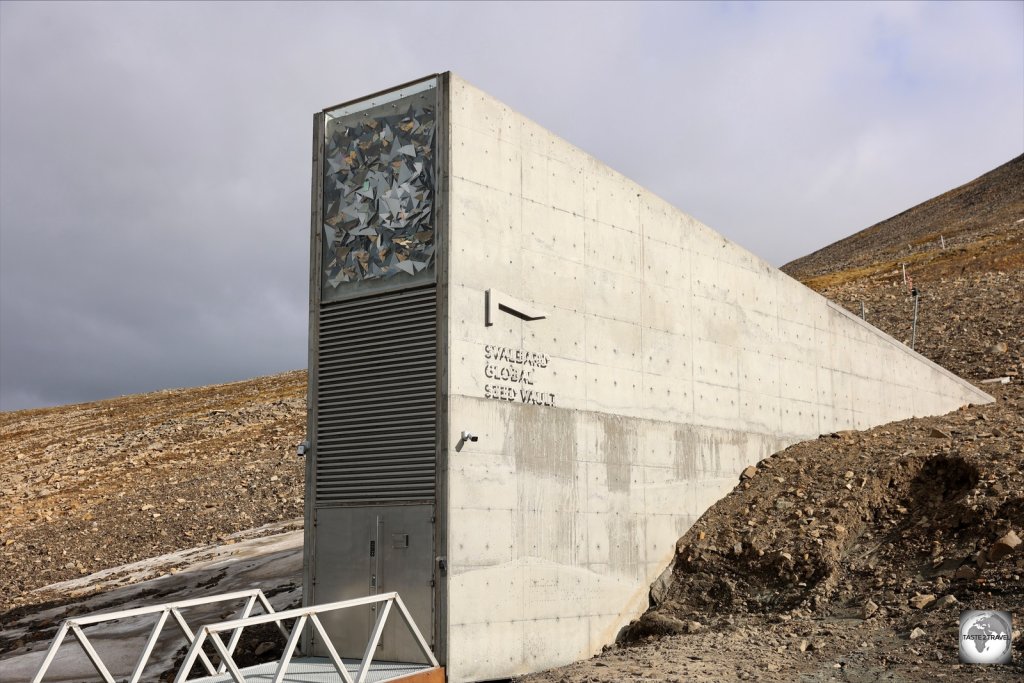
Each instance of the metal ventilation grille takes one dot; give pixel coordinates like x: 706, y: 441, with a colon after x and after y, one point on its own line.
x: 376, y: 398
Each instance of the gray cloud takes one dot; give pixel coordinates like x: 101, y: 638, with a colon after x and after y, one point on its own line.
x: 154, y: 159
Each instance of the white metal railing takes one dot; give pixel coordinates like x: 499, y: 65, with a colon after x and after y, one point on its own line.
x: 302, y: 615
x: 165, y: 610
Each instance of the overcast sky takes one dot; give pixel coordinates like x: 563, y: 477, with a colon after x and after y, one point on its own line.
x: 155, y: 158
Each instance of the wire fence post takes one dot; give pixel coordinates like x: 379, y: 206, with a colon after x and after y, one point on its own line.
x: 863, y: 311
x: 913, y: 332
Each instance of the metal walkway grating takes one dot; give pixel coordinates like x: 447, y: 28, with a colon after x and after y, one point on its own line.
x: 320, y: 670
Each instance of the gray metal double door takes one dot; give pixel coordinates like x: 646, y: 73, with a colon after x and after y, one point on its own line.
x: 371, y: 550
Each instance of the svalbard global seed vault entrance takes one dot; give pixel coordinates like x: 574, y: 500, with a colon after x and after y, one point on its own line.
x: 529, y: 376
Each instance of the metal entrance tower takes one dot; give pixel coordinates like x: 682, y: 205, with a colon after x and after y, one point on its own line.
x: 372, y: 481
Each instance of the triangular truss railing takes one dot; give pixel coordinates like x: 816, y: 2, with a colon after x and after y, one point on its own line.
x: 302, y: 616
x: 75, y: 627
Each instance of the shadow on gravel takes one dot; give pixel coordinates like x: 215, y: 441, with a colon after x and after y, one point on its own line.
x: 942, y: 479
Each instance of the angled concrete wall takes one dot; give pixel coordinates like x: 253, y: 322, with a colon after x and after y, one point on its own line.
x: 670, y: 358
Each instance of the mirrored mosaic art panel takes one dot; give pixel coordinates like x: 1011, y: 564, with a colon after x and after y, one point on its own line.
x: 378, y: 196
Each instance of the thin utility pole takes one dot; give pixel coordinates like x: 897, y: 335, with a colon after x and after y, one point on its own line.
x: 913, y: 332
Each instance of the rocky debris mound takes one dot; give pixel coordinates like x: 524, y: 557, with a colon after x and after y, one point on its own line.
x: 862, y: 524
x: 848, y: 557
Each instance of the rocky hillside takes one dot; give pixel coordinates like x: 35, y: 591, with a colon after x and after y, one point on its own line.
x: 97, y: 485
x: 980, y: 223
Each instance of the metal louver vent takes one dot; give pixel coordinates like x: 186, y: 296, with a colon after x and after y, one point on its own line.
x: 376, y: 402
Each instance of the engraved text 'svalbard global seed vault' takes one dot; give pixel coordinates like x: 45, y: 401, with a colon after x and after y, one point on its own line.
x: 529, y: 376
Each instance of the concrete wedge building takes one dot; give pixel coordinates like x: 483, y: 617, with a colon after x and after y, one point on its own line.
x: 529, y: 376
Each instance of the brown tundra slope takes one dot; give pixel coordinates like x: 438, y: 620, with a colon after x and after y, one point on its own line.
x: 97, y: 485
x: 849, y: 558
x: 980, y: 223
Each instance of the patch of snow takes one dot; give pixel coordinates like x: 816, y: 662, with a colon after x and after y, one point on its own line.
x: 257, y: 558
